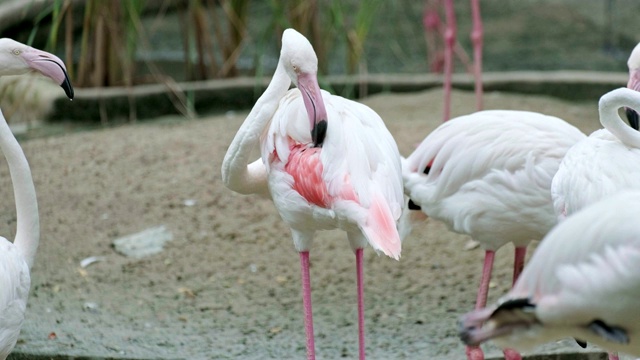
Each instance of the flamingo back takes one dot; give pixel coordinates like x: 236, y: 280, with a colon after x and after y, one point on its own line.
x: 489, y: 174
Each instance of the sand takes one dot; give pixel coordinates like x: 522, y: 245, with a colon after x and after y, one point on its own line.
x: 227, y: 286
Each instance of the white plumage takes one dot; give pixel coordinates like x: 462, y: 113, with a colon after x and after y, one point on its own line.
x: 359, y: 154
x: 582, y: 282
x: 490, y: 174
x: 602, y: 164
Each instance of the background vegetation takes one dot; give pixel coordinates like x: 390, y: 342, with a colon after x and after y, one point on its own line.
x: 125, y: 42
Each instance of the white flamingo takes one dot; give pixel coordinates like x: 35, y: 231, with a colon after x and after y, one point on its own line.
x: 324, y: 167
x: 17, y: 258
x: 488, y: 175
x: 583, y: 282
x: 602, y: 164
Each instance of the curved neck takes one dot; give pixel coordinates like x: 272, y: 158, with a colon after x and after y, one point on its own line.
x: 610, y: 119
x: 28, y: 223
x: 236, y: 173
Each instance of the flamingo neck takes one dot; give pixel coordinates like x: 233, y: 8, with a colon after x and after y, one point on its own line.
x: 609, y: 118
x: 236, y: 175
x: 28, y: 221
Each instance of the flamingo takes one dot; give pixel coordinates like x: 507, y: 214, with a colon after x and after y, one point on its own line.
x: 16, y: 259
x: 601, y: 164
x: 327, y: 162
x: 583, y: 281
x: 488, y: 175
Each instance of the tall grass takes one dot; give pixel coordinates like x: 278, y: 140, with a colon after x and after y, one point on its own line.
x: 102, y: 40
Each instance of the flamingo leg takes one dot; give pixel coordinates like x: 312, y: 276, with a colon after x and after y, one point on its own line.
x: 360, y: 286
x: 518, y: 262
x: 477, y: 39
x: 306, y: 302
x: 449, y: 43
x: 474, y: 352
x: 518, y: 265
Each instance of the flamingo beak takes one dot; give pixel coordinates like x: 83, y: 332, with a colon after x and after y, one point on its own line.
x: 634, y: 80
x: 632, y: 117
x: 313, y: 102
x: 50, y: 66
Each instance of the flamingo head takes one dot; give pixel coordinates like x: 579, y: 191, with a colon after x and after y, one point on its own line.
x: 301, y: 63
x: 17, y: 58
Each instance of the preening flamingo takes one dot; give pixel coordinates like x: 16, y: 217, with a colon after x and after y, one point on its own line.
x: 327, y: 163
x: 602, y: 164
x: 488, y: 175
x: 583, y: 281
x: 17, y: 258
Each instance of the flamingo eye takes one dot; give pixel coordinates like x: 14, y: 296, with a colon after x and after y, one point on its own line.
x: 295, y: 68
x: 16, y: 52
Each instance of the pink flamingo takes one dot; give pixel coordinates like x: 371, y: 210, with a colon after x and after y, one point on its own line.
x: 344, y: 173
x: 583, y: 281
x: 488, y: 175
x: 16, y: 259
x: 431, y: 21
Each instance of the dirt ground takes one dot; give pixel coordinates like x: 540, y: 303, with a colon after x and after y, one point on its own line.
x: 227, y: 286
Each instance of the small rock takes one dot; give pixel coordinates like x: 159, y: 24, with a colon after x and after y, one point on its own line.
x: 144, y: 243
x: 90, y: 307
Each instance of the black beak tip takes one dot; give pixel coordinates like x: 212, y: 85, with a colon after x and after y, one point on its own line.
x: 632, y: 116
x: 318, y: 133
x: 66, y: 86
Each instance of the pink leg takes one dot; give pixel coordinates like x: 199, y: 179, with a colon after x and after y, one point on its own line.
x: 476, y: 38
x: 518, y: 265
x: 613, y: 356
x: 474, y: 352
x: 306, y: 302
x: 518, y: 262
x: 360, y: 285
x: 449, y: 42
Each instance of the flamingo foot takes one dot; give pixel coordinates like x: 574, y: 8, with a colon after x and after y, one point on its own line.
x: 510, y: 354
x: 613, y: 356
x: 474, y: 353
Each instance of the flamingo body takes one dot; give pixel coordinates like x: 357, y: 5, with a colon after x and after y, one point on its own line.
x: 354, y: 177
x: 490, y: 174
x: 582, y: 282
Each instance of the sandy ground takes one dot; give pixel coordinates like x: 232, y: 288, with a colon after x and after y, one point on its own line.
x: 227, y: 286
